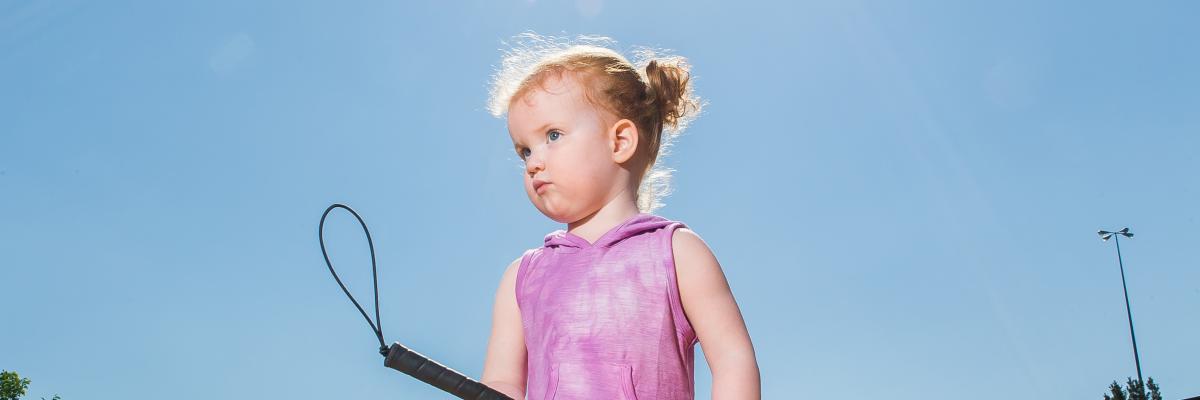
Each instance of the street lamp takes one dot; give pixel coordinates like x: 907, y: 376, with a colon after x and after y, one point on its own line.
x: 1116, y: 236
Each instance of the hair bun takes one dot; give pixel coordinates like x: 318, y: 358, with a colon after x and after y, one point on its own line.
x: 669, y: 92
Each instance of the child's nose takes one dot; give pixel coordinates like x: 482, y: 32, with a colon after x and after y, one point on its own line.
x: 533, y: 164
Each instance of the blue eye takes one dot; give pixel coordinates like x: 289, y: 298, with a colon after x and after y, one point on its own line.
x: 553, y: 135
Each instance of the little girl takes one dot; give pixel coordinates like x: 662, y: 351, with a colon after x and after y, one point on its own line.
x: 611, y: 307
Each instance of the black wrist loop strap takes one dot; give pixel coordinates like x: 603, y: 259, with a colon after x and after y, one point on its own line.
x: 397, y: 356
x: 377, y: 328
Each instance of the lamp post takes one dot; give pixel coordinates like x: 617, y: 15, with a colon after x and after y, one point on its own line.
x: 1116, y: 236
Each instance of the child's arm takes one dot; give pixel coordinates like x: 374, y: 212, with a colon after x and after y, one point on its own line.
x: 504, y: 368
x: 715, y: 317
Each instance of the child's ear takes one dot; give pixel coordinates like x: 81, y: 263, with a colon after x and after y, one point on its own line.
x: 623, y: 137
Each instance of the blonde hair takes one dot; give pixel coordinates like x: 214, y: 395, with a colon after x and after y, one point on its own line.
x: 655, y: 92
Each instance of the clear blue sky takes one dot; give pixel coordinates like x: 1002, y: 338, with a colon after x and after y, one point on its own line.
x: 904, y: 196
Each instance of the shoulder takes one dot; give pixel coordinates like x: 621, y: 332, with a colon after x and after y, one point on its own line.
x: 687, y: 242
x: 512, y: 273
x: 509, y: 278
x: 692, y: 255
x: 511, y: 270
x: 506, y: 292
x: 514, y: 267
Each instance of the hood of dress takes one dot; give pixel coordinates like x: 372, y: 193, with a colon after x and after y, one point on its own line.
x: 635, y: 225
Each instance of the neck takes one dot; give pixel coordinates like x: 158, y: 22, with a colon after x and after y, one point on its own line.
x: 621, y: 208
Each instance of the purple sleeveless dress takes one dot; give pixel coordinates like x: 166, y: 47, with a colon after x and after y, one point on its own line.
x: 604, y: 320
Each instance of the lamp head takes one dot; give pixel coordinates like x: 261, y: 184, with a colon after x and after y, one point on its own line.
x: 1105, y: 235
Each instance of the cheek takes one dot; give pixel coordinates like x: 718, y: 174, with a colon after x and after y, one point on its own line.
x: 584, y: 170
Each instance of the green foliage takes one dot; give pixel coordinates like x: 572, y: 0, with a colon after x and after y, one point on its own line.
x: 12, y: 386
x: 1154, y: 394
x: 1115, y: 392
x: 1133, y: 390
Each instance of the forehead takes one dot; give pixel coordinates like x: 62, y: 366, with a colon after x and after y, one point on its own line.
x: 559, y: 99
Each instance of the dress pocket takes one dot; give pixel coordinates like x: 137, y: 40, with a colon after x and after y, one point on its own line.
x: 627, y: 382
x: 580, y: 381
x: 552, y: 383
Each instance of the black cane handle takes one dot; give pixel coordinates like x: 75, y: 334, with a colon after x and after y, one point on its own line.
x: 402, y: 359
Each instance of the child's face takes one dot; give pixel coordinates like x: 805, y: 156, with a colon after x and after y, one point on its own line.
x: 564, y: 141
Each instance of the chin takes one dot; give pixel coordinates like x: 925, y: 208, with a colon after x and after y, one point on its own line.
x: 562, y: 218
x: 556, y: 214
